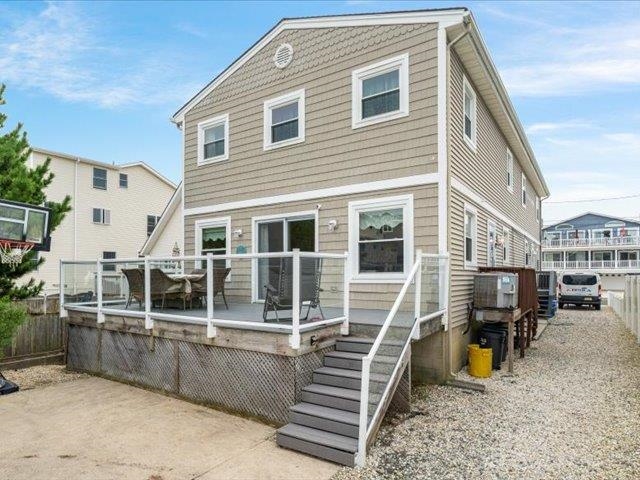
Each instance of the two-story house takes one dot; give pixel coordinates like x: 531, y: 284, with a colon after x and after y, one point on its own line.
x: 114, y: 210
x: 374, y: 134
x: 591, y: 241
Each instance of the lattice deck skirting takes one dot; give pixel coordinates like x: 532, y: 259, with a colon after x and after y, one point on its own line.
x: 261, y: 385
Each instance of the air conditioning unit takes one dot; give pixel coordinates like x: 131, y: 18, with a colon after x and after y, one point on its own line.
x: 495, y: 290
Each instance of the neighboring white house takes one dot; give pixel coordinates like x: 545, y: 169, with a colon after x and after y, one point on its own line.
x: 114, y: 209
x: 168, y: 233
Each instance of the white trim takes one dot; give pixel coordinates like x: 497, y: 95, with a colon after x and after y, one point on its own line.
x: 491, y: 225
x: 468, y: 90
x: 443, y: 17
x: 355, y: 207
x: 286, y: 99
x: 306, y: 214
x: 443, y: 168
x: 205, y: 125
x: 481, y: 202
x: 537, y: 208
x: 412, y: 181
x: 212, y: 222
x: 523, y: 192
x: 510, y: 179
x: 473, y: 263
x: 165, y: 218
x: 400, y: 63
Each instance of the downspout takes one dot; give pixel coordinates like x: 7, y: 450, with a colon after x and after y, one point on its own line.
x: 447, y: 350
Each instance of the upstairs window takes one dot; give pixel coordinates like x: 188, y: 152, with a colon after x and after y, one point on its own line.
x: 284, y: 119
x: 124, y: 180
x: 99, y: 178
x: 102, y: 216
x: 213, y: 140
x: 524, y: 191
x: 470, y: 237
x: 152, y: 221
x: 380, y: 92
x: 469, y: 121
x: 509, y: 171
x: 108, y: 267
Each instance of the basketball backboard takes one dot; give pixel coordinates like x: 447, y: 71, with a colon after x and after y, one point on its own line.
x: 22, y: 222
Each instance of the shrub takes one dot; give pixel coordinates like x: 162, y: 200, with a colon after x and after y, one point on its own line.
x: 12, y: 315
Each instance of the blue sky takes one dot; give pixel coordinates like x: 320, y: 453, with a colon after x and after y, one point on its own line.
x: 100, y: 80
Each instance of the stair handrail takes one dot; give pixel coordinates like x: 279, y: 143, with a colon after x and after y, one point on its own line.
x: 363, y: 431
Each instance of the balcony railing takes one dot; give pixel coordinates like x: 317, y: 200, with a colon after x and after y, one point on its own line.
x: 593, y: 264
x: 592, y: 242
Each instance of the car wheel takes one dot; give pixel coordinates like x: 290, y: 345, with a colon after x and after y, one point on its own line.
x: 598, y: 307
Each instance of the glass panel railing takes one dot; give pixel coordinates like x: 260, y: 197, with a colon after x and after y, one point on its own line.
x: 321, y: 288
x: 79, y: 283
x: 123, y: 285
x: 432, y: 276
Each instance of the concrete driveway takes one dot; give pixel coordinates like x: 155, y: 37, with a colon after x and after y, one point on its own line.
x: 91, y: 428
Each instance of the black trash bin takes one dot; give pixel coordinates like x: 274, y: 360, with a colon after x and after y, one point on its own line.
x: 496, y: 339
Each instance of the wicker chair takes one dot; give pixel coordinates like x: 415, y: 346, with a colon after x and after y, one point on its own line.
x: 135, y: 279
x: 199, y: 287
x: 278, y: 298
x: 165, y: 288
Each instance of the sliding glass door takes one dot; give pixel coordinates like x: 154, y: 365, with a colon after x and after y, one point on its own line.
x: 281, y: 235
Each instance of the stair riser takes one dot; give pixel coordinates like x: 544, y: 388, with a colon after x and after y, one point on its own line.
x: 324, y: 424
x: 329, y: 401
x: 392, y: 350
x: 372, y: 331
x: 335, y: 381
x: 328, y: 453
x: 347, y: 363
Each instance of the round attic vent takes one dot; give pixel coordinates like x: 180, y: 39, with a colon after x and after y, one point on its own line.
x: 283, y: 56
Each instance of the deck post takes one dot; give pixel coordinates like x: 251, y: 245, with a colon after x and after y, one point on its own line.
x: 211, y: 330
x: 294, y: 340
x: 148, y: 322
x: 361, y: 454
x: 417, y: 296
x: 443, y: 290
x: 99, y: 315
x: 63, y: 311
x: 344, y: 328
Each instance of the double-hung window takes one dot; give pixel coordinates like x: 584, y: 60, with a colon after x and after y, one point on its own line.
x: 108, y: 267
x: 524, y: 191
x: 102, y: 216
x: 284, y: 120
x: 213, y: 140
x: 152, y: 221
x: 124, y: 180
x: 213, y: 236
x: 509, y: 170
x: 469, y: 121
x: 381, y: 238
x: 380, y: 92
x: 470, y: 237
x: 99, y: 178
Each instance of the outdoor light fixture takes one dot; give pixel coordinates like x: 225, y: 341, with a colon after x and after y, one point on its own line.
x: 237, y: 233
x: 332, y: 225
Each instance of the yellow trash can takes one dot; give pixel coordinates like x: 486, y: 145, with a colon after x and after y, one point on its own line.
x: 479, y: 361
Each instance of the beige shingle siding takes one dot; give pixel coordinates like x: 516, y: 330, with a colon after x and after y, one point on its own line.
x: 335, y: 208
x: 485, y: 170
x: 333, y: 154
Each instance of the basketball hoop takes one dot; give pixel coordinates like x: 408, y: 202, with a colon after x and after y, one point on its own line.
x: 12, y: 253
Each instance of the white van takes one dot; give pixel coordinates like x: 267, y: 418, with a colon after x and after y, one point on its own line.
x: 580, y: 289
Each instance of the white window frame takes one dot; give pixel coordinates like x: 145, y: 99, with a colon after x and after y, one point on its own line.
x: 106, y: 178
x: 269, y: 105
x: 506, y: 248
x: 510, y: 180
x: 523, y: 193
x: 491, y: 225
x: 126, y: 180
x: 467, y: 90
x: 209, y: 123
x: 527, y: 253
x: 537, y: 208
x: 210, y: 223
x: 473, y: 264
x: 105, y: 216
x: 400, y: 63
x: 401, y: 201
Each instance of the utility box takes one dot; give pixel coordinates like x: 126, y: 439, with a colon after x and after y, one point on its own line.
x: 495, y: 290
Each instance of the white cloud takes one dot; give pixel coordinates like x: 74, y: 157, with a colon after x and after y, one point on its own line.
x: 61, y: 52
x: 547, y: 127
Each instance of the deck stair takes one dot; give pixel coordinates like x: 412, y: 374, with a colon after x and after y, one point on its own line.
x: 325, y: 423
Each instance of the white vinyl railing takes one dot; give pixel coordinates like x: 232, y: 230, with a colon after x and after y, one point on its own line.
x: 405, y: 317
x: 96, y: 274
x: 626, y: 304
x: 590, y: 264
x: 630, y: 240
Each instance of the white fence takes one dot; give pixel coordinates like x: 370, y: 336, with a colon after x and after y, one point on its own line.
x: 627, y: 305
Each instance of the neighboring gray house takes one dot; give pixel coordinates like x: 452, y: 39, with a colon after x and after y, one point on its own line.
x: 591, y: 241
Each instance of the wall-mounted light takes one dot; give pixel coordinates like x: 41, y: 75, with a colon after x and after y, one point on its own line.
x: 237, y: 233
x: 332, y: 225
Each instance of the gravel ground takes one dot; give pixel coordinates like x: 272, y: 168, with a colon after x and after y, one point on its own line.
x: 33, y: 377
x: 571, y: 411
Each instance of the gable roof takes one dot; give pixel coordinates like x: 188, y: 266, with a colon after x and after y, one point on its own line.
x: 109, y: 166
x: 611, y: 217
x: 174, y: 203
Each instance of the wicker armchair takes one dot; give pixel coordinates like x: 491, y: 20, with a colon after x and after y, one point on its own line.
x: 135, y: 279
x: 199, y: 287
x: 165, y: 288
x: 278, y: 298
